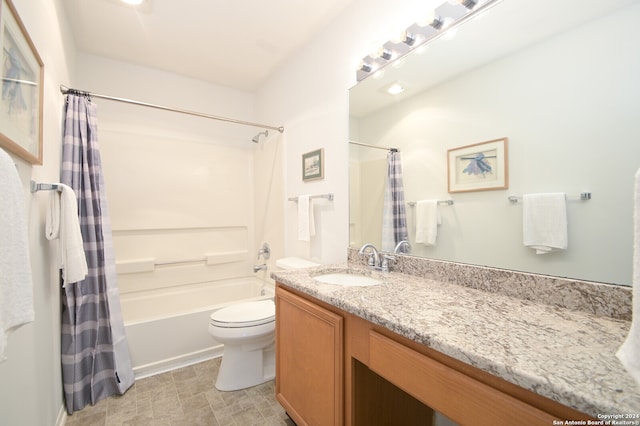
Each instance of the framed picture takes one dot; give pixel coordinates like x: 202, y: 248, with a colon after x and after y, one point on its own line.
x: 21, y: 101
x: 478, y: 167
x: 313, y: 165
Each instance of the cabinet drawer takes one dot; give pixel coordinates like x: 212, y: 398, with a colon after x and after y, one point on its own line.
x: 456, y: 395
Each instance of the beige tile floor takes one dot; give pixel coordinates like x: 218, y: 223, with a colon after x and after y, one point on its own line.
x: 185, y: 397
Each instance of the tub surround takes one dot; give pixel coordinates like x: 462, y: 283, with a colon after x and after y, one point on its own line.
x: 555, y: 337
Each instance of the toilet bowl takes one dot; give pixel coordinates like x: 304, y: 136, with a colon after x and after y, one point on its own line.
x: 247, y: 331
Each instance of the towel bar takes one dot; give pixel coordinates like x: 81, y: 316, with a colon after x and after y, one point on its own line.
x: 447, y: 202
x: 584, y: 196
x: 328, y: 196
x: 35, y: 187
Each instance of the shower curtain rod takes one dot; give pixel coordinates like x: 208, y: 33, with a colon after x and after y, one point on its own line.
x: 64, y: 90
x: 375, y: 146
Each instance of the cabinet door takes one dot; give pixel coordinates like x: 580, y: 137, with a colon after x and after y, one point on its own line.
x: 309, y: 354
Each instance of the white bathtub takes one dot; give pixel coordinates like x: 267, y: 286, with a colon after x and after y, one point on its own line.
x: 168, y: 329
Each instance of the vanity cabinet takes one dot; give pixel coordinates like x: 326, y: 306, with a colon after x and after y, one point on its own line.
x: 335, y: 368
x: 309, y: 361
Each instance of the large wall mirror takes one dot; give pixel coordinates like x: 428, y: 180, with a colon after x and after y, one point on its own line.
x: 561, y: 81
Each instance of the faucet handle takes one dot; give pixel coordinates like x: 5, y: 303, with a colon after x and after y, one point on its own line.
x: 387, y: 261
x: 370, y: 260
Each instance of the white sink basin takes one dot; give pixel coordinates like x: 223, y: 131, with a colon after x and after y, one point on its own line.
x: 347, y: 280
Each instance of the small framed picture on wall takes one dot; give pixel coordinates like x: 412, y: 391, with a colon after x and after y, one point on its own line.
x: 479, y: 167
x: 313, y: 165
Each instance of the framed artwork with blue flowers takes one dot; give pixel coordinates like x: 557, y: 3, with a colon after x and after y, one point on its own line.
x: 479, y: 167
x: 21, y: 102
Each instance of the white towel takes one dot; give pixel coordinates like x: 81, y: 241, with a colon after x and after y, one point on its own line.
x: 306, y: 222
x: 427, y: 221
x: 62, y: 224
x: 629, y: 352
x: 544, y: 222
x: 16, y: 285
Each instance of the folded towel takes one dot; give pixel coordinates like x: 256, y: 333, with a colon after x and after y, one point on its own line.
x: 544, y: 222
x: 629, y: 352
x: 62, y: 224
x: 427, y: 221
x: 16, y: 285
x: 306, y: 223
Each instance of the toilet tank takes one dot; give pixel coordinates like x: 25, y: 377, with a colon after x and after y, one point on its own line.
x: 295, y: 263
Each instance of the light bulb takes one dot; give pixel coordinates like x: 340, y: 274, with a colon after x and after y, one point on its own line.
x: 431, y: 19
x: 469, y: 4
x: 365, y: 66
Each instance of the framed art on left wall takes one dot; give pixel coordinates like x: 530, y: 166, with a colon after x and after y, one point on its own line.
x: 22, y: 91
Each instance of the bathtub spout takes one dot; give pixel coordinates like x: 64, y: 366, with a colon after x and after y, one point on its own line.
x: 257, y: 268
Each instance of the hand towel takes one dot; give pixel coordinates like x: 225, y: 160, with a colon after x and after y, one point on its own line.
x: 62, y: 223
x: 544, y: 222
x: 629, y: 352
x: 427, y: 221
x: 306, y: 222
x: 16, y: 285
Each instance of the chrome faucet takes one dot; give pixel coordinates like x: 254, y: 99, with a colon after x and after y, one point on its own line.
x: 374, y: 256
x: 257, y: 268
x: 377, y: 260
x: 400, y: 245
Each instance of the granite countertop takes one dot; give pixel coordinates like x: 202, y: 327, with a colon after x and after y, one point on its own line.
x: 565, y: 355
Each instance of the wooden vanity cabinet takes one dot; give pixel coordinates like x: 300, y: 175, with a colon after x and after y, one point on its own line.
x: 309, y: 361
x: 334, y: 368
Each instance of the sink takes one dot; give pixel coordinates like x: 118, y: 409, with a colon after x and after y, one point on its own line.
x: 347, y: 280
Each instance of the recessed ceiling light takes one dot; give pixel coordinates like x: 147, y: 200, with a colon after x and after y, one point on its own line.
x: 133, y: 2
x: 395, y: 88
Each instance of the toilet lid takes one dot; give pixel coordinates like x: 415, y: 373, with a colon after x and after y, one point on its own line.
x: 245, y: 314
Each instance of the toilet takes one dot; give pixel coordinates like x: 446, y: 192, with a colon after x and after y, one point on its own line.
x: 247, y: 331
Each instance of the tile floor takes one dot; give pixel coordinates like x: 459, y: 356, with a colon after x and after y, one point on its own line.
x: 185, y: 397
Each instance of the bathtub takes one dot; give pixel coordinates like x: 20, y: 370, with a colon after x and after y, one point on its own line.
x: 168, y: 329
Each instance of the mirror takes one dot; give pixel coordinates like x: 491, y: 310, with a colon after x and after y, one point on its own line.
x: 560, y: 81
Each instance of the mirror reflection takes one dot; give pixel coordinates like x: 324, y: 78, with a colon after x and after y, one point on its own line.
x: 559, y: 82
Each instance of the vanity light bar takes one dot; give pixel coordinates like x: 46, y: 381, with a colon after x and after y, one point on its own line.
x: 421, y: 33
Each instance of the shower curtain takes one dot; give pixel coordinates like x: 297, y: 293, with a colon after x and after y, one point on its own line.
x: 95, y: 353
x: 394, y: 218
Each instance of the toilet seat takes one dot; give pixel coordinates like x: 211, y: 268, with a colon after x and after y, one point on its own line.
x: 248, y: 314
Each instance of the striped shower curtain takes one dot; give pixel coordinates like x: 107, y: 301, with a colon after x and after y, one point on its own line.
x: 394, y: 218
x: 95, y: 353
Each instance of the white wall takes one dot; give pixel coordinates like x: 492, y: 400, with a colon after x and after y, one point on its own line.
x: 309, y: 96
x: 31, y: 390
x: 181, y: 187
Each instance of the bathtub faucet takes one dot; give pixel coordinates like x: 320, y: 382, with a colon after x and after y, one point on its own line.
x: 265, y: 251
x: 257, y: 268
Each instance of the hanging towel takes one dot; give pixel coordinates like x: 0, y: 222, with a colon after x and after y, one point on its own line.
x: 629, y: 352
x: 544, y: 222
x: 427, y: 221
x: 16, y: 285
x: 306, y: 222
x: 62, y: 224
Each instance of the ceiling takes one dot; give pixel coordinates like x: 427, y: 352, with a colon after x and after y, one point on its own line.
x: 234, y: 43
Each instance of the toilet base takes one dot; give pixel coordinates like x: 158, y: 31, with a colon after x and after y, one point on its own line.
x: 244, y: 367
